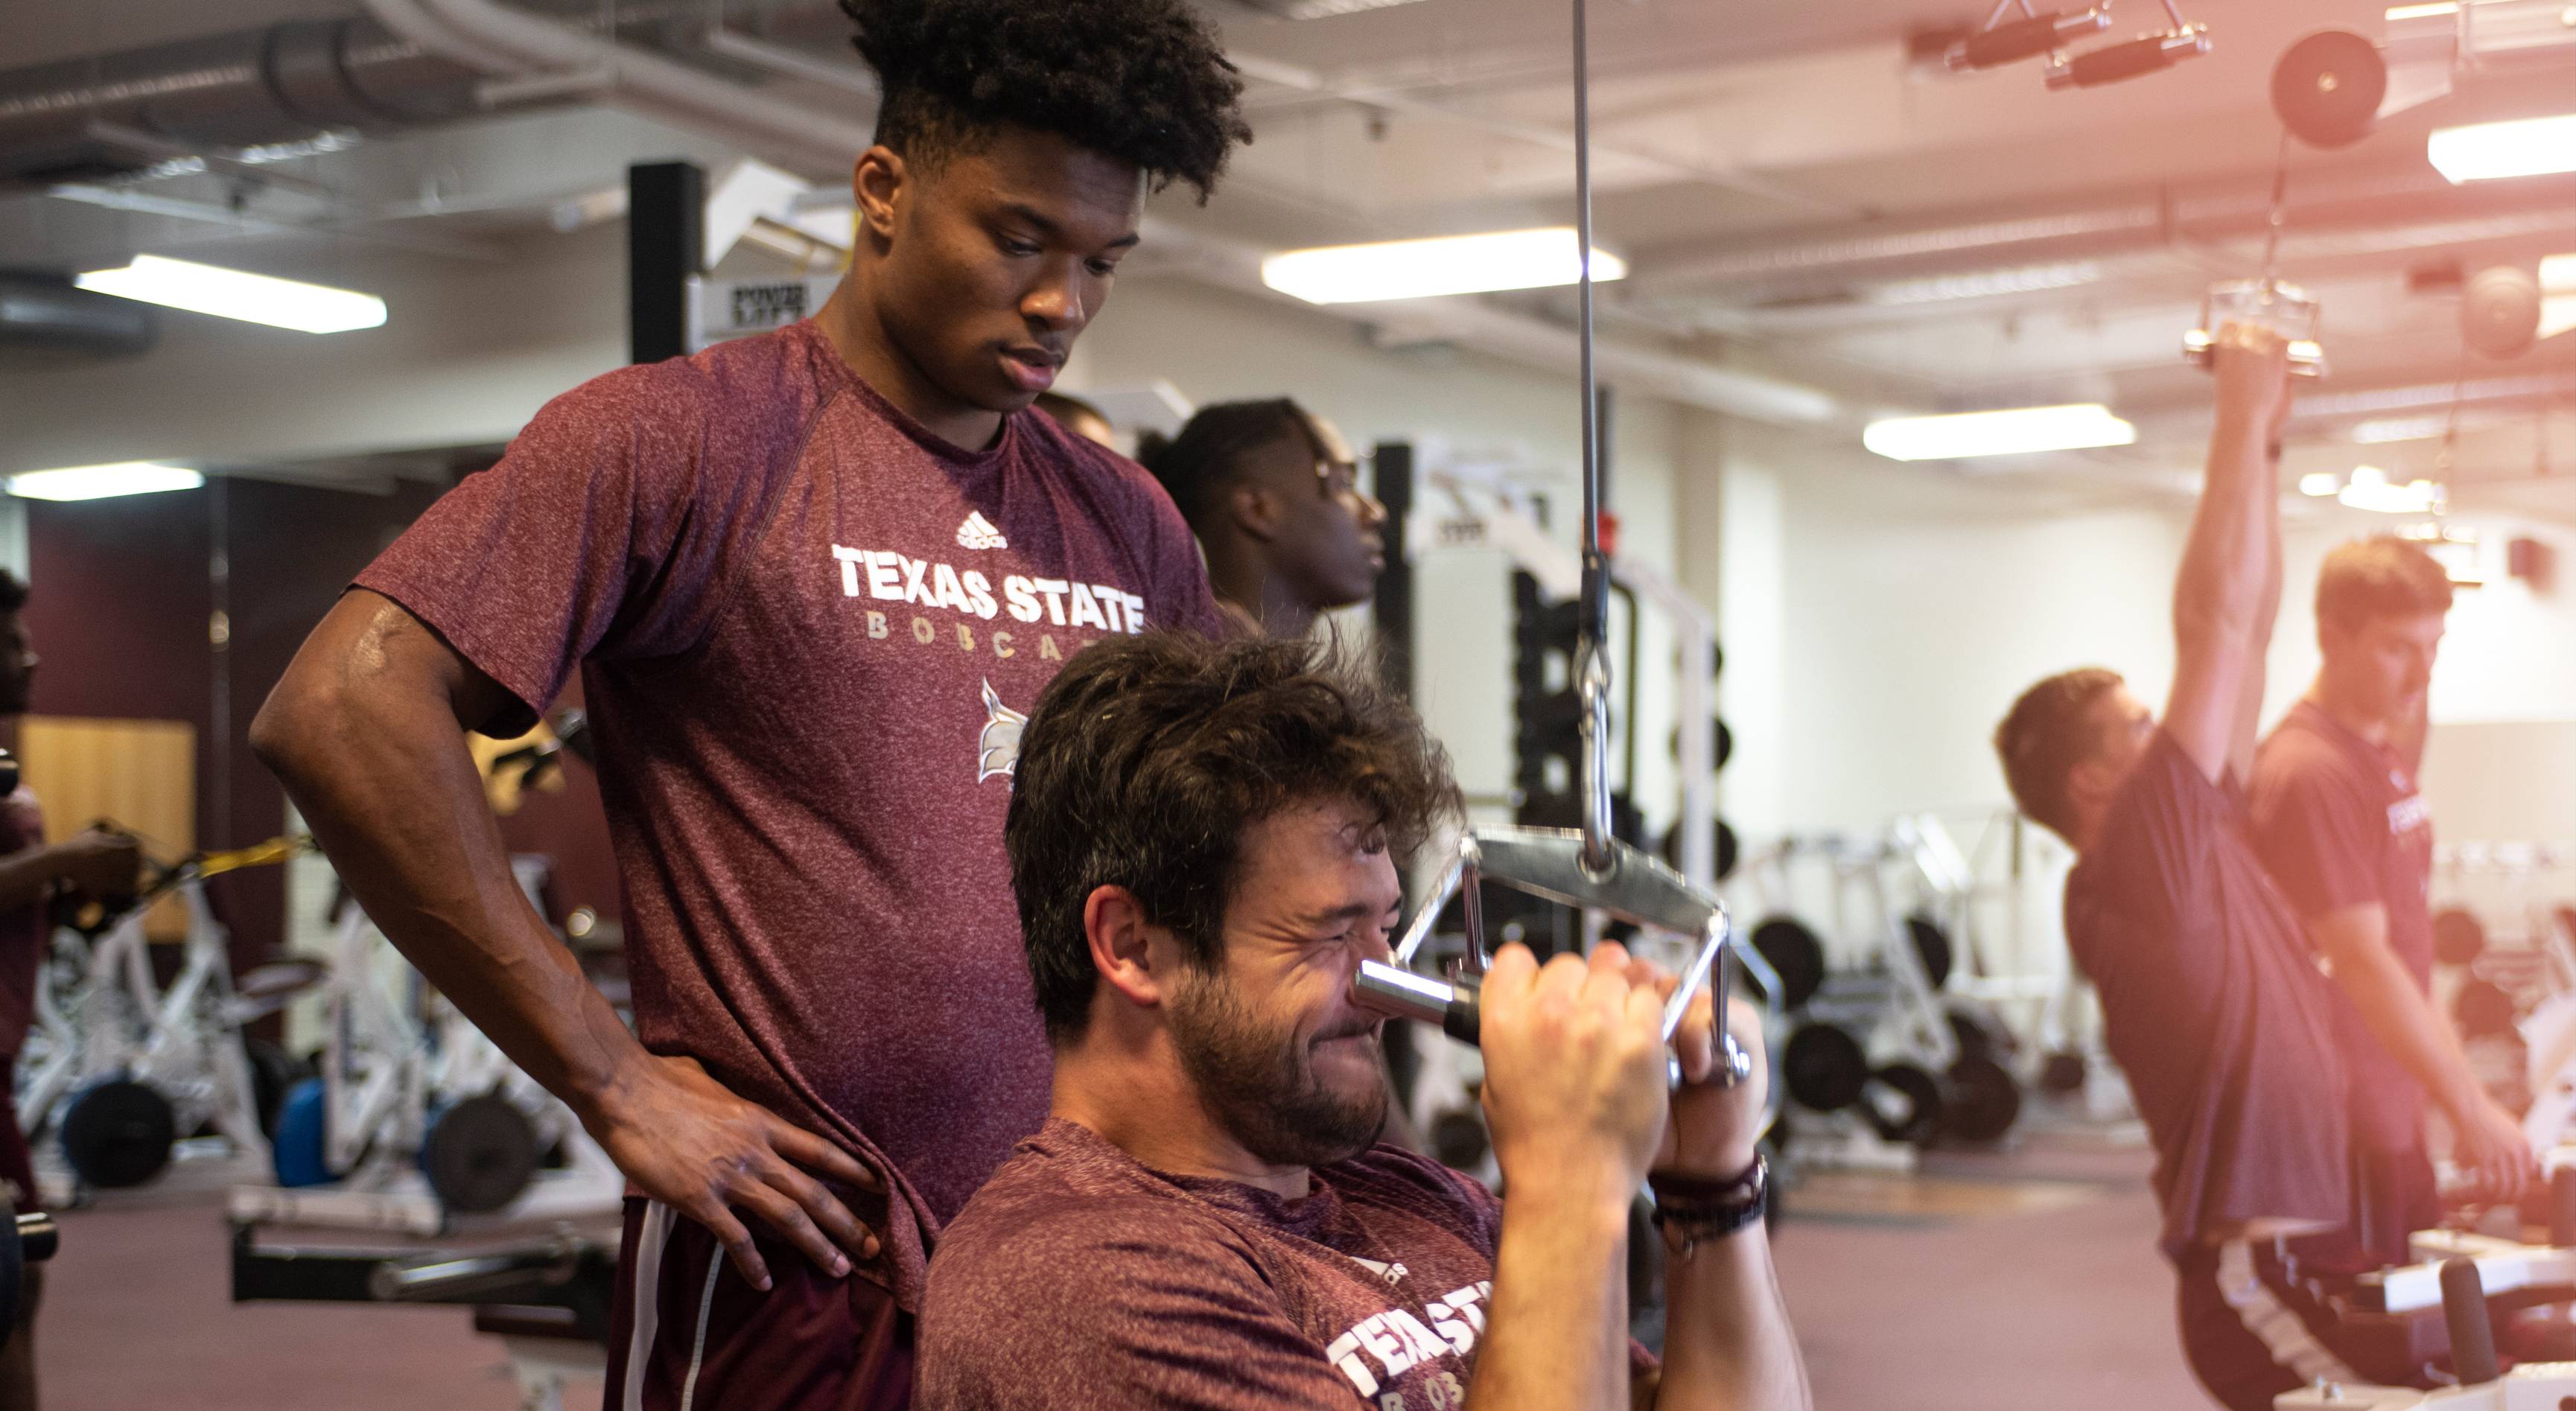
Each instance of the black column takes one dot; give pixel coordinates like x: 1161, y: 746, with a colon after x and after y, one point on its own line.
x: 666, y: 205
x: 1391, y: 610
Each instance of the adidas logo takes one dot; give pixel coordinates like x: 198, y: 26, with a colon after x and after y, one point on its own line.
x: 978, y: 533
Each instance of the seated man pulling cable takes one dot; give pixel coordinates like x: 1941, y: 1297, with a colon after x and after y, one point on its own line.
x: 1204, y: 841
x: 2211, y: 1001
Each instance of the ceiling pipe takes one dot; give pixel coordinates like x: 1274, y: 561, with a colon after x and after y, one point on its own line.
x: 507, y: 42
x: 80, y: 119
x: 1827, y: 261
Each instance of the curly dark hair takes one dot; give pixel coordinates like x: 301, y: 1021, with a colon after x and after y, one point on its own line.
x: 1147, y: 759
x: 1139, y: 80
x: 13, y: 592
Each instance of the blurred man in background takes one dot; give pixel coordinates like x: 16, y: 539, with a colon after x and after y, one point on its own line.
x: 96, y: 863
x: 1273, y: 494
x: 2341, y: 828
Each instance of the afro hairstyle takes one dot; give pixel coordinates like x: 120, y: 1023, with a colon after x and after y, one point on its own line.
x: 1140, y: 80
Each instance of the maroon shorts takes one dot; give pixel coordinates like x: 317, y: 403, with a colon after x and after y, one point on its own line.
x: 689, y: 1334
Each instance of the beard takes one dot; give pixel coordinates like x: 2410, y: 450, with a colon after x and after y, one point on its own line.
x: 1259, y: 1083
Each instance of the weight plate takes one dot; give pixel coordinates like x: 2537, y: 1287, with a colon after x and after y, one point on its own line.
x: 1932, y: 946
x: 2482, y: 1008
x: 479, y: 1155
x: 1983, y: 1101
x: 2062, y: 1073
x: 2457, y: 936
x: 118, y: 1133
x: 1727, y: 850
x: 1823, y: 1067
x: 2327, y: 87
x: 1903, y: 1104
x: 1974, y: 1037
x: 1794, y: 952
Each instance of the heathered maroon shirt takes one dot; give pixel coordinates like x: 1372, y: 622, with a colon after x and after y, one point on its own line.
x: 808, y: 631
x: 2338, y: 822
x: 1079, y: 1278
x: 2214, y: 1008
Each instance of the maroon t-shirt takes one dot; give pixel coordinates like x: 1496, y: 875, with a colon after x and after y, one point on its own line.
x: 808, y: 631
x: 1079, y: 1278
x: 24, y: 933
x: 2338, y: 822
x: 2213, y: 1007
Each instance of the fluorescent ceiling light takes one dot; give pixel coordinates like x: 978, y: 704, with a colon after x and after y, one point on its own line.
x: 232, y: 293
x: 2521, y: 147
x: 2320, y: 483
x: 1448, y: 264
x: 2400, y: 428
x: 98, y: 482
x: 2371, y: 490
x: 2004, y: 433
x: 2422, y: 12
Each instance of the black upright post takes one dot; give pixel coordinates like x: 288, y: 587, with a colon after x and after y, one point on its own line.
x: 1392, y: 609
x: 666, y: 206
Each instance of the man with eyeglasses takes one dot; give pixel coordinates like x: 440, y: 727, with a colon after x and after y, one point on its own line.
x: 1273, y: 495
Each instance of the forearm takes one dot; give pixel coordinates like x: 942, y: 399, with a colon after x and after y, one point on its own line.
x: 386, y: 784
x: 1727, y: 1341
x: 27, y: 877
x: 2230, y: 560
x: 1556, y: 1330
x: 2401, y: 1018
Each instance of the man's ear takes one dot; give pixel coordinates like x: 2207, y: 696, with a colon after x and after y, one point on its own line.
x: 877, y: 183
x: 1256, y: 511
x: 1123, y: 946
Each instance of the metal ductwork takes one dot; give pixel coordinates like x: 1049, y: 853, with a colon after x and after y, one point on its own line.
x: 111, y: 115
x: 45, y: 311
x: 2324, y: 212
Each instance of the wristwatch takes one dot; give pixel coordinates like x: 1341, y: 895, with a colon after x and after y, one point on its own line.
x: 1692, y: 1210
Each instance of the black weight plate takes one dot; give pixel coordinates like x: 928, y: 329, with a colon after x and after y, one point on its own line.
x: 2062, y: 1073
x: 1932, y: 946
x: 1796, y: 954
x: 1973, y: 1035
x: 1903, y: 1104
x: 2482, y: 1008
x: 2457, y: 936
x: 118, y: 1133
x: 1728, y: 850
x: 1458, y: 1139
x: 1725, y: 745
x: 1983, y: 1101
x: 1824, y: 1067
x: 479, y: 1155
x: 2327, y: 87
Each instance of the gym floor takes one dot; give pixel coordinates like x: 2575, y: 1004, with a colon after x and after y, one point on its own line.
x: 2024, y: 1278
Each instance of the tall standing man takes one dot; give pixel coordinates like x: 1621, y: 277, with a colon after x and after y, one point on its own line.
x: 95, y: 863
x: 811, y: 579
x: 2339, y: 823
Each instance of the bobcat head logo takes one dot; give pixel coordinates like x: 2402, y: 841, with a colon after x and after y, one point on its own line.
x: 997, y: 749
